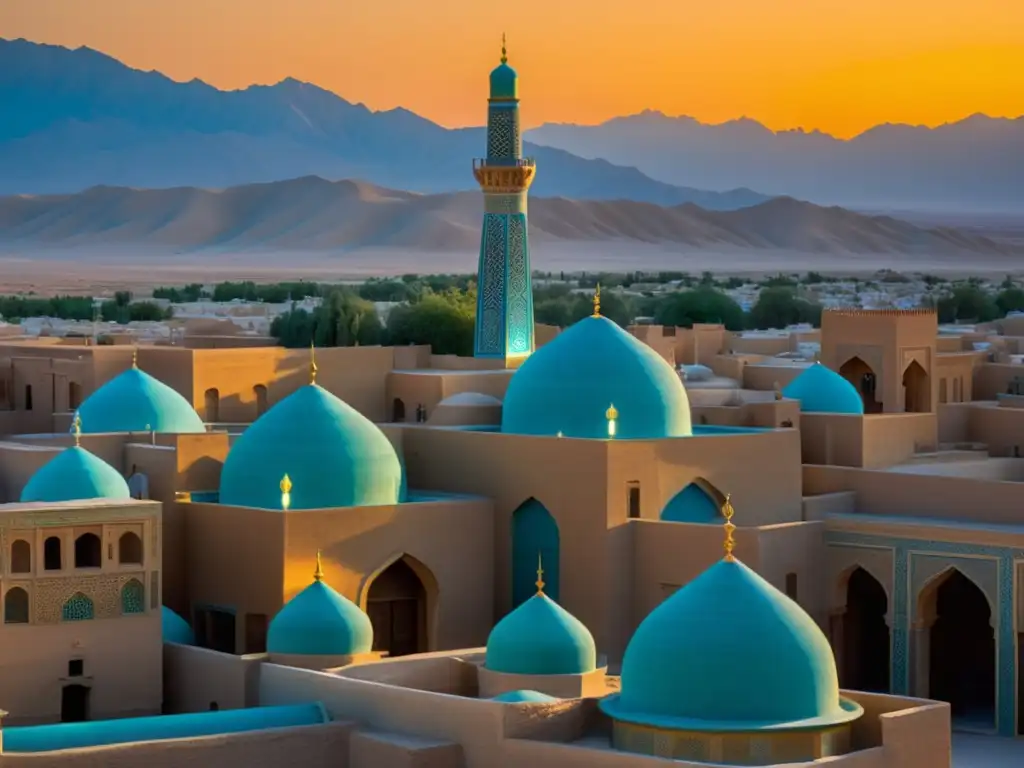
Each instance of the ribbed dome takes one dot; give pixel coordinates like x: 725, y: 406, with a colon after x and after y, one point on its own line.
x: 540, y: 638
x: 524, y: 697
x: 333, y: 455
x: 504, y: 82
x: 175, y: 629
x: 822, y: 390
x: 568, y: 385
x: 729, y: 652
x: 134, y: 401
x: 75, y: 474
x: 320, y: 622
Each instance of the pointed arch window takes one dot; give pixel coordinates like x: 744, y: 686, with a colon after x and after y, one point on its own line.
x: 133, y: 597
x: 79, y: 607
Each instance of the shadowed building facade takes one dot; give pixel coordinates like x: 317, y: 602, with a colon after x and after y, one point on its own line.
x: 504, y: 308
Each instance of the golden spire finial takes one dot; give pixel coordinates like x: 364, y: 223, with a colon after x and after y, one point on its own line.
x: 597, y: 301
x: 540, y: 574
x: 312, y: 363
x: 286, y: 491
x: 76, y: 428
x: 135, y: 356
x: 612, y: 413
x: 504, y: 53
x: 727, y: 513
x: 318, y: 574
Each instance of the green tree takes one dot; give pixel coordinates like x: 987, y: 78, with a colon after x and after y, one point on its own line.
x: 966, y: 302
x: 445, y: 321
x: 779, y: 307
x: 1010, y: 299
x: 701, y: 305
x: 342, y: 320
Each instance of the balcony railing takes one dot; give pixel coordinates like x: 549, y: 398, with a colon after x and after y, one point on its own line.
x: 503, y: 162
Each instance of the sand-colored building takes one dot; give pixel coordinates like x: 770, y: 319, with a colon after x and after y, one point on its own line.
x: 518, y: 557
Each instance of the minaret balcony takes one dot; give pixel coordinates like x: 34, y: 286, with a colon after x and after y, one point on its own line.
x: 504, y: 176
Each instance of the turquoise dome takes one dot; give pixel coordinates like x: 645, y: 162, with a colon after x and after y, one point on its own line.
x: 75, y: 474
x: 333, y: 455
x: 692, y: 505
x: 524, y: 697
x: 729, y: 652
x: 175, y: 628
x: 568, y: 385
x: 320, y: 622
x: 504, y: 82
x: 822, y: 390
x: 540, y: 638
x: 134, y: 401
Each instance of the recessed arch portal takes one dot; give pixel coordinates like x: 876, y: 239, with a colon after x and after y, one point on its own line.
x: 866, y: 644
x: 401, y: 600
x: 535, y: 537
x: 863, y: 377
x: 698, y: 502
x: 916, y: 389
x: 961, y: 648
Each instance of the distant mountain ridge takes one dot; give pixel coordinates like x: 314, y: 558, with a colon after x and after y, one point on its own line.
x: 313, y: 214
x: 974, y: 164
x: 74, y: 119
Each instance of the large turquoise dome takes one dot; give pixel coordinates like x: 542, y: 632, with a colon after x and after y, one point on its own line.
x: 320, y: 622
x: 729, y: 652
x: 75, y: 474
x: 540, y: 638
x: 333, y: 455
x: 134, y: 401
x: 822, y: 390
x: 569, y: 384
x: 175, y: 629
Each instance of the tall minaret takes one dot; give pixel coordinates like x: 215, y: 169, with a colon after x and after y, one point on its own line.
x: 504, y: 304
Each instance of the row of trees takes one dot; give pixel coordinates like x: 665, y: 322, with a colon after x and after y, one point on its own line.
x: 120, y: 309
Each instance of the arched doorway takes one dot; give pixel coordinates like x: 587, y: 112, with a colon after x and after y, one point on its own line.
x: 397, y: 410
x: 962, y: 650
x: 916, y: 389
x: 212, y: 398
x: 859, y: 373
x: 396, y: 603
x: 534, y: 535
x: 74, y: 395
x: 698, y: 502
x: 866, y: 647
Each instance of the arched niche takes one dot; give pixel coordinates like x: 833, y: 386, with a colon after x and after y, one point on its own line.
x: 698, y: 502
x: 535, y: 541
x: 401, y: 598
x: 866, y: 654
x: 917, y: 392
x: 865, y: 380
x: 211, y: 399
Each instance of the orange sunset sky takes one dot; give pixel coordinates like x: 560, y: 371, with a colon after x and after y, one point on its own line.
x: 836, y: 65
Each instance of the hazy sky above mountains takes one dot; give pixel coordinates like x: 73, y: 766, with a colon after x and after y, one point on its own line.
x: 836, y: 65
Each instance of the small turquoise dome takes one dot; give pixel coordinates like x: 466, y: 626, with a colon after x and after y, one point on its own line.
x: 175, y: 628
x: 134, y: 401
x: 320, y: 622
x: 540, y: 638
x: 504, y: 82
x: 822, y: 390
x: 333, y: 455
x: 524, y: 697
x: 729, y: 652
x: 75, y: 474
x: 692, y: 505
x: 569, y: 383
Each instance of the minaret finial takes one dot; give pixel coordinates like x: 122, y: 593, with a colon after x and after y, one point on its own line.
x: 504, y: 53
x: 76, y: 428
x: 540, y: 574
x: 318, y: 574
x: 597, y: 301
x: 727, y: 513
x: 312, y: 363
x: 135, y: 356
x: 286, y: 491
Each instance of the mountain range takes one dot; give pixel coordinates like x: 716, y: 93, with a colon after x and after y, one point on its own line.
x: 312, y: 214
x: 72, y: 119
x: 976, y: 164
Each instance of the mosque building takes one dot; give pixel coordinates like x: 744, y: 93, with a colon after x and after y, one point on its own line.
x: 254, y: 556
